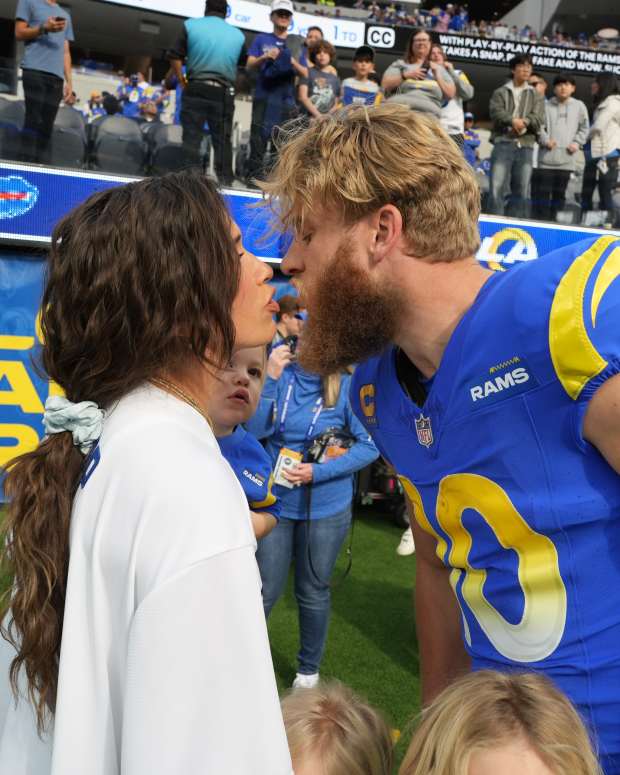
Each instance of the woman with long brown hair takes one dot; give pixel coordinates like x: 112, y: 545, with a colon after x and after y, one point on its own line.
x: 137, y: 637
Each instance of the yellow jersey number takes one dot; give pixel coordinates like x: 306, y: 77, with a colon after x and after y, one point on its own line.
x: 542, y: 625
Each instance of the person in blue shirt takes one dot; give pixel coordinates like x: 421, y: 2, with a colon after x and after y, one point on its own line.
x: 94, y: 107
x: 131, y: 94
x: 232, y: 401
x: 297, y: 409
x: 45, y: 29
x: 274, y: 96
x: 494, y: 394
x: 471, y: 140
x: 213, y: 51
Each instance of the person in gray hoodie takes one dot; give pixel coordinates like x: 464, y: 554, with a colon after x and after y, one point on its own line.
x: 518, y: 114
x: 561, y: 142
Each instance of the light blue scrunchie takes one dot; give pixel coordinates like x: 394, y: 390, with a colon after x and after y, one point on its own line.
x: 84, y: 421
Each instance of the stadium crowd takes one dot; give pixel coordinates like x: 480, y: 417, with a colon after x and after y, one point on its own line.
x: 536, y: 169
x: 456, y: 18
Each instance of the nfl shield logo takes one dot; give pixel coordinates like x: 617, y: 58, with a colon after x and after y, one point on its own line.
x: 424, y: 431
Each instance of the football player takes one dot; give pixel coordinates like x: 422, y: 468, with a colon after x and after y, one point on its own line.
x: 494, y: 394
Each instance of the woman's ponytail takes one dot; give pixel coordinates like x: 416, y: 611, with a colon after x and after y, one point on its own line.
x: 40, y: 486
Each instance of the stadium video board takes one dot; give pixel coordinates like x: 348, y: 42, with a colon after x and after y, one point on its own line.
x: 255, y: 18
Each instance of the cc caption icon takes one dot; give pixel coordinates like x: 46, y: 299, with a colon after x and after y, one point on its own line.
x: 382, y: 37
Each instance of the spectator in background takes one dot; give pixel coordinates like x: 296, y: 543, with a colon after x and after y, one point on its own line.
x: 320, y: 91
x: 561, y: 140
x: 472, y: 140
x: 452, y: 117
x: 316, y: 445
x: 149, y: 115
x: 45, y: 29
x: 441, y: 18
x: 459, y: 20
x: 111, y: 105
x: 314, y: 35
x: 214, y: 50
x: 518, y: 115
x: 361, y: 89
x: 289, y: 321
x: 421, y: 85
x: 94, y: 107
x: 274, y: 97
x: 603, y: 147
x: 130, y: 95
x: 539, y: 83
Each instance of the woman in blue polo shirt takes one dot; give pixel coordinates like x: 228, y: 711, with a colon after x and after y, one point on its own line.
x: 297, y: 409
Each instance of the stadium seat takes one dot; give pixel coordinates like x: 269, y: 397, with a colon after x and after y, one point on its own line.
x: 117, y: 146
x: 68, y: 147
x: 70, y: 118
x: 12, y: 114
x: 166, y: 152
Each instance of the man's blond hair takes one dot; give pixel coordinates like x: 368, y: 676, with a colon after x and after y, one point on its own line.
x: 486, y: 710
x: 334, y: 725
x: 357, y: 160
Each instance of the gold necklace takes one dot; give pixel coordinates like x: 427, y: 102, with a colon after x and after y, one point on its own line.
x: 170, y: 387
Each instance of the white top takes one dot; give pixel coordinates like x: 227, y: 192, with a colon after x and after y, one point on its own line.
x: 605, y: 129
x: 165, y: 665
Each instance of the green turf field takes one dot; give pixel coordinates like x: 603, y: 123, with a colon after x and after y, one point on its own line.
x: 372, y: 645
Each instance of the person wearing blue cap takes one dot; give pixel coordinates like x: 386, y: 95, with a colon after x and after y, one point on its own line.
x: 471, y: 140
x: 274, y: 97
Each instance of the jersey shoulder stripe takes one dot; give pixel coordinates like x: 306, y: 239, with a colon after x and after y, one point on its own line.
x: 584, y: 337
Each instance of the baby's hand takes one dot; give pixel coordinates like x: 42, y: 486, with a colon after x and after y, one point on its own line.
x: 262, y: 523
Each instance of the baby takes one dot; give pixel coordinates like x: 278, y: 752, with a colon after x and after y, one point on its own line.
x: 233, y: 401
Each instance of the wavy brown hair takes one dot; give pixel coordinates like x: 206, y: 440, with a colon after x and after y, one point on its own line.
x: 140, y: 281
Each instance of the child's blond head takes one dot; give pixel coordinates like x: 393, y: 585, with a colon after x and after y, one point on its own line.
x: 486, y: 710
x: 332, y: 731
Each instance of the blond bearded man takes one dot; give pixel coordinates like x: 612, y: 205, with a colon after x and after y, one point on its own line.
x: 496, y: 396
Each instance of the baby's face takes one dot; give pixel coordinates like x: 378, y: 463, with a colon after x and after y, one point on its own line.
x: 514, y: 758
x: 235, y: 394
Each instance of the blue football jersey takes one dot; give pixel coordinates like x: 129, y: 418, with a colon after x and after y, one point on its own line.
x: 525, y: 512
x: 252, y: 467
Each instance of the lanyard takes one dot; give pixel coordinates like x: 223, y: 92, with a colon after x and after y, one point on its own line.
x: 318, y: 408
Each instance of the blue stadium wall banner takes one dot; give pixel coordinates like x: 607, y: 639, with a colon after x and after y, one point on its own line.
x: 32, y: 199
